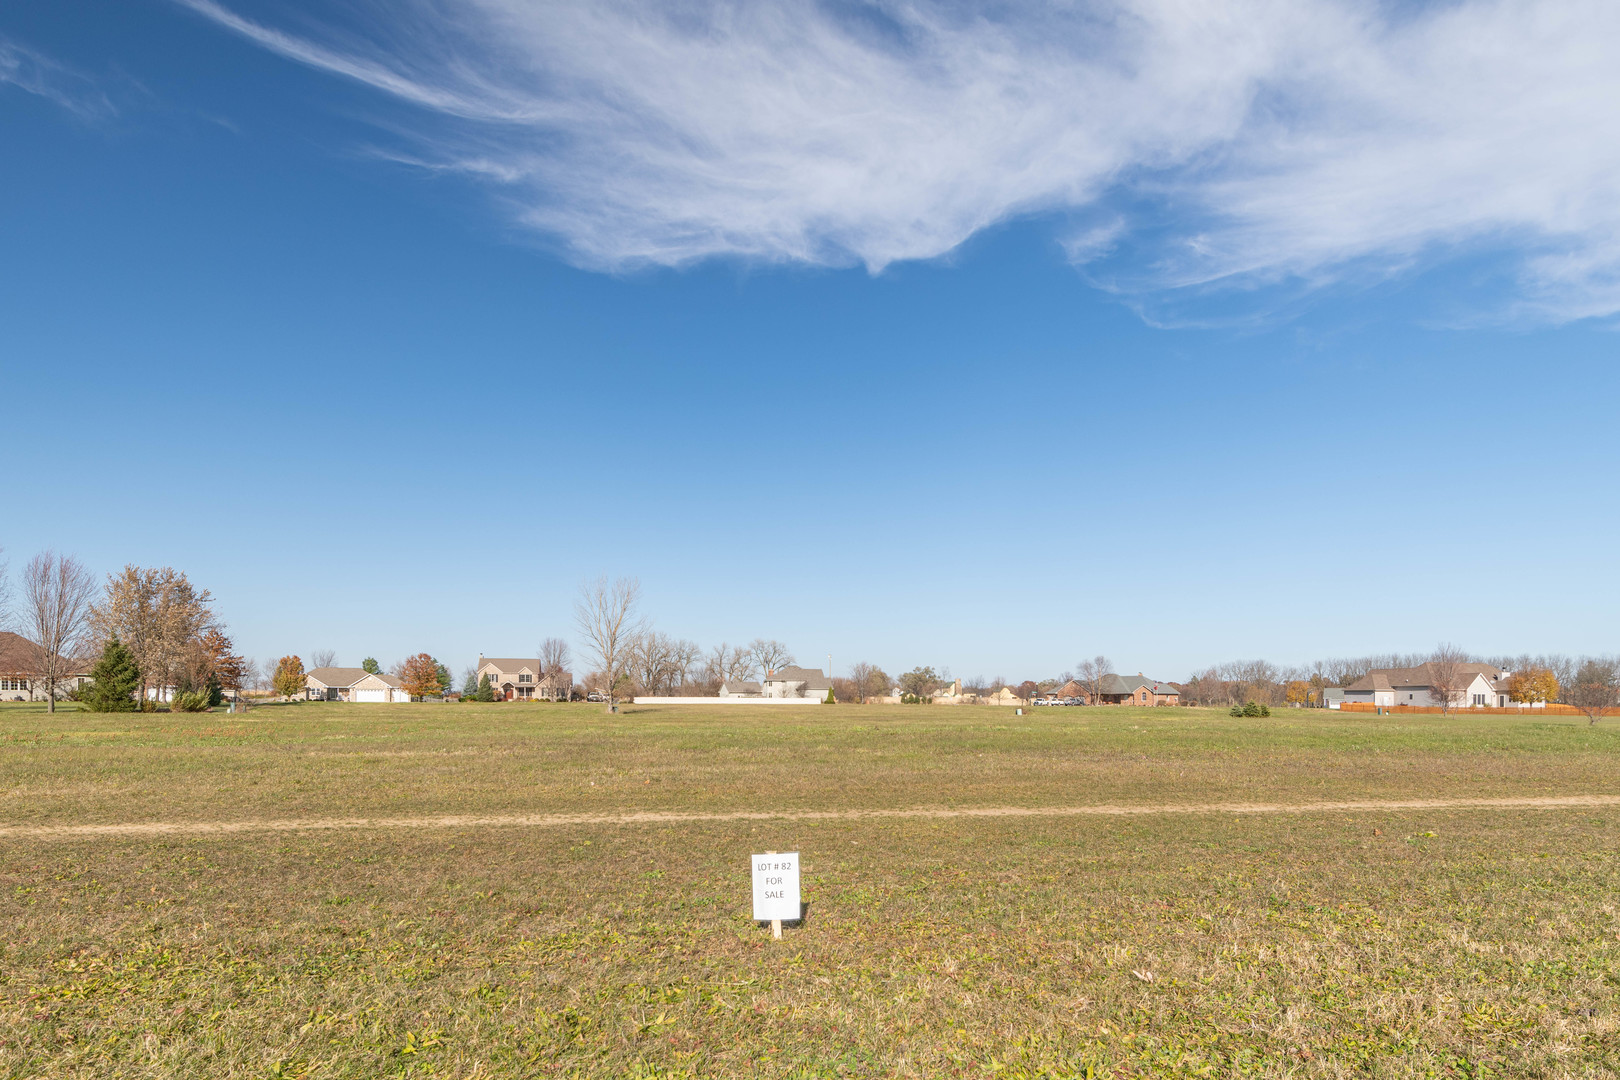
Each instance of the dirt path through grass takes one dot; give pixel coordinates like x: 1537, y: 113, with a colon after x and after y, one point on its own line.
x: 463, y: 821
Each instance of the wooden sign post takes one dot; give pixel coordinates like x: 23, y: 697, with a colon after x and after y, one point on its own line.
x: 776, y: 888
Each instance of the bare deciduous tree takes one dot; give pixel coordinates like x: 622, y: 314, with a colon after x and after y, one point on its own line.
x: 727, y: 664
x: 57, y: 594
x: 860, y: 677
x: 319, y: 658
x: 652, y: 656
x: 1446, y: 677
x: 1091, y: 674
x: 553, y: 656
x: 769, y: 657
x: 1595, y: 692
x: 683, y: 658
x: 607, y: 619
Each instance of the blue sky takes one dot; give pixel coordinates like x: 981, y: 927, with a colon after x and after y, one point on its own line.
x: 900, y: 335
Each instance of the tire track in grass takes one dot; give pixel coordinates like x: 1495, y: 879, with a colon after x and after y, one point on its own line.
x: 677, y: 817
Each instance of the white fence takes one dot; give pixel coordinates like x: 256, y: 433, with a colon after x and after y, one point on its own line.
x: 726, y: 701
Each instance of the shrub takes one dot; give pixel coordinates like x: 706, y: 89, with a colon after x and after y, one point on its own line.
x: 1236, y: 710
x: 189, y: 701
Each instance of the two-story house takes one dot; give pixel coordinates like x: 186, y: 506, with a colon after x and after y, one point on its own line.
x: 524, y: 679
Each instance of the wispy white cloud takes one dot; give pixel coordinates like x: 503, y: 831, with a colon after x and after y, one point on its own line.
x: 1216, y: 141
x: 38, y: 74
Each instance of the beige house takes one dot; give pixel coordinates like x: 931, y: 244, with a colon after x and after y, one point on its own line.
x: 353, y: 684
x: 1005, y: 696
x: 524, y: 680
x: 20, y: 665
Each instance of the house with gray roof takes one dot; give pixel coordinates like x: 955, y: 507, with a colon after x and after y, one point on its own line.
x: 741, y: 688
x: 353, y: 684
x: 797, y: 682
x: 1477, y: 686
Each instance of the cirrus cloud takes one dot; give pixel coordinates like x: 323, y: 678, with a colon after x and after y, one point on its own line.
x: 1193, y: 143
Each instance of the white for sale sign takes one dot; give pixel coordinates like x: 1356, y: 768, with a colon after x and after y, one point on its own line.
x: 776, y: 886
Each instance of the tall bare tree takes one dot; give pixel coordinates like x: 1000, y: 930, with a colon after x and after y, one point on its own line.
x: 769, y: 657
x: 553, y: 656
x: 683, y: 659
x: 607, y: 619
x: 319, y: 658
x: 57, y: 594
x: 1446, y: 677
x: 652, y: 661
x: 860, y: 676
x: 727, y: 664
x: 1091, y: 674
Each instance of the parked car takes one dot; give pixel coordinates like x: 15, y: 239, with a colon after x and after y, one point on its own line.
x: 1071, y: 701
x: 595, y: 695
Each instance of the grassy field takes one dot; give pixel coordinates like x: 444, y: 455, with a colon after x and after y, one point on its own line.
x: 1442, y: 941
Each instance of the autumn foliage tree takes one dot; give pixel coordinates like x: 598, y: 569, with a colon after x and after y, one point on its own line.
x: 289, y: 678
x: 420, y: 675
x: 1533, y: 686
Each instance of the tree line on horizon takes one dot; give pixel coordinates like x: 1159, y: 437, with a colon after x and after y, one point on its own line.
x: 150, y: 628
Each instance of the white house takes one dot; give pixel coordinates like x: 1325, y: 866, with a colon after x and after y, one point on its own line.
x: 353, y: 684
x: 796, y: 682
x: 1479, y: 686
x: 742, y: 688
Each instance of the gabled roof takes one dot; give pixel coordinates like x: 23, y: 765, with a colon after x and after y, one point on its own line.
x: 1418, y: 678
x: 340, y: 677
x: 812, y: 678
x: 741, y: 686
x: 512, y: 665
x: 1129, y: 684
x: 19, y: 656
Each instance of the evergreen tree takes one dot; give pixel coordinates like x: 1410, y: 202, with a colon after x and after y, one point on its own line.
x: 486, y: 689
x: 469, y: 688
x: 116, y: 680
x: 445, y: 681
x: 370, y: 665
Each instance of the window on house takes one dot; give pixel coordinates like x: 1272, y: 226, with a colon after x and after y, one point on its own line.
x: 525, y: 678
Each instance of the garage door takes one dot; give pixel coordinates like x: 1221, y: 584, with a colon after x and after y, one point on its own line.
x: 371, y: 695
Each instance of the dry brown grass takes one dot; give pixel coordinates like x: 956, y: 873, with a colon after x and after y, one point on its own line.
x: 1432, y: 942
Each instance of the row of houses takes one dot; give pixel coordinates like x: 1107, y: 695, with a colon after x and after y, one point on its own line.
x: 1135, y: 689
x: 525, y: 679
x: 511, y: 679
